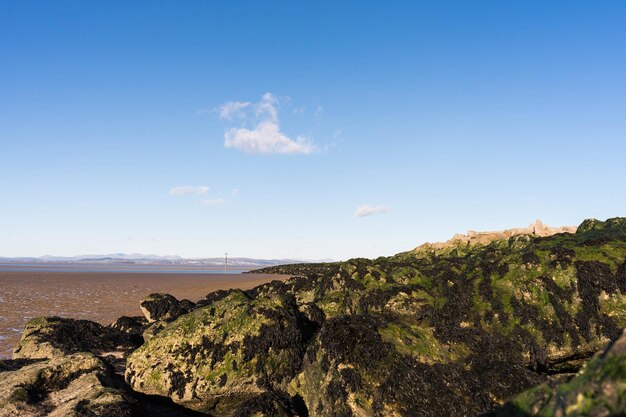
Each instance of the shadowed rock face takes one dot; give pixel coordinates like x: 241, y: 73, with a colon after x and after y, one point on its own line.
x: 598, y: 390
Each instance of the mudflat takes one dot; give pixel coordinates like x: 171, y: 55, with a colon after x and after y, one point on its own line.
x: 99, y: 296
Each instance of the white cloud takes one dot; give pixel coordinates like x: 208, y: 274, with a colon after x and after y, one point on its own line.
x: 213, y: 202
x: 265, y: 136
x: 235, y: 192
x: 189, y: 189
x: 367, y: 210
x: 233, y: 109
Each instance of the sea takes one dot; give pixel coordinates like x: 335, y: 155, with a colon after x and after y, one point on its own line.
x: 101, y: 292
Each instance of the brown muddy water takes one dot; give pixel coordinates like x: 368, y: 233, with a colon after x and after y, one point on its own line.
x: 98, y: 296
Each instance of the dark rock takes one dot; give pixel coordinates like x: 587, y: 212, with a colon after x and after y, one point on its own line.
x: 596, y: 391
x: 162, y: 307
x: 131, y: 325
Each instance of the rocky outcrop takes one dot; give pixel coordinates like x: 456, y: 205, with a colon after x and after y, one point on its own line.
x: 227, y: 356
x: 599, y: 390
x: 303, y: 270
x: 471, y: 238
x: 469, y: 328
x: 75, y: 385
x: 48, y: 337
x: 373, y: 365
x: 164, y: 307
x: 450, y: 331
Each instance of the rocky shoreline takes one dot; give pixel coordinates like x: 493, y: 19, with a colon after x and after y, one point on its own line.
x: 506, y: 327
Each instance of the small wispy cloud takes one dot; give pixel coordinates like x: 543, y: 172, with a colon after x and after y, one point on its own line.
x: 265, y: 136
x: 189, y: 190
x: 367, y: 210
x: 233, y: 109
x: 213, y: 202
x: 235, y: 192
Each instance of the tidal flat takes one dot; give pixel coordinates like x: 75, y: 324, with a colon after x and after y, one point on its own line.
x: 98, y: 296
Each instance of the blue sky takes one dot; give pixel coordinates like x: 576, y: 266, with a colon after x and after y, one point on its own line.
x: 435, y: 117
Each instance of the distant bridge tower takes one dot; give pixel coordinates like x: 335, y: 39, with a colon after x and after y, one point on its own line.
x: 225, y: 261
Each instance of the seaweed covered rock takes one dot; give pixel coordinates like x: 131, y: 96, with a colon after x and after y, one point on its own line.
x: 459, y: 327
x: 372, y: 365
x: 131, y: 325
x: 438, y: 331
x: 164, y: 307
x: 598, y: 390
x: 223, y: 356
x: 304, y: 270
x: 47, y: 337
x: 76, y: 385
x: 268, y: 404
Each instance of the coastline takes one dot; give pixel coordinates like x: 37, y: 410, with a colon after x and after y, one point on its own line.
x: 100, y: 296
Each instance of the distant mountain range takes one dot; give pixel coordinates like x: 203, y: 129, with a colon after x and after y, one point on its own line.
x: 137, y: 258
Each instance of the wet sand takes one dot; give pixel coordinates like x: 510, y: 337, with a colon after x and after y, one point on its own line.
x: 98, y: 296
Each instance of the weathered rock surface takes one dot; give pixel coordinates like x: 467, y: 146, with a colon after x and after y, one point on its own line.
x: 457, y: 330
x: 598, y: 390
x: 47, y: 337
x: 227, y: 356
x: 375, y: 365
x: 76, y: 385
x: 164, y: 307
x: 471, y: 238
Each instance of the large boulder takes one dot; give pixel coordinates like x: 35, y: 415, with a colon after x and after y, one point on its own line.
x: 47, y: 337
x: 374, y: 365
x: 76, y: 385
x: 236, y: 353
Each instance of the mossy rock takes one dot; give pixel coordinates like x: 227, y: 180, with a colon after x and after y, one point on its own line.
x: 46, y: 337
x: 375, y: 365
x: 526, y: 306
x: 65, y: 386
x: 224, y: 355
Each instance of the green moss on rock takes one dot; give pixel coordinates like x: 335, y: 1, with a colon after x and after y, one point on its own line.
x: 225, y: 354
